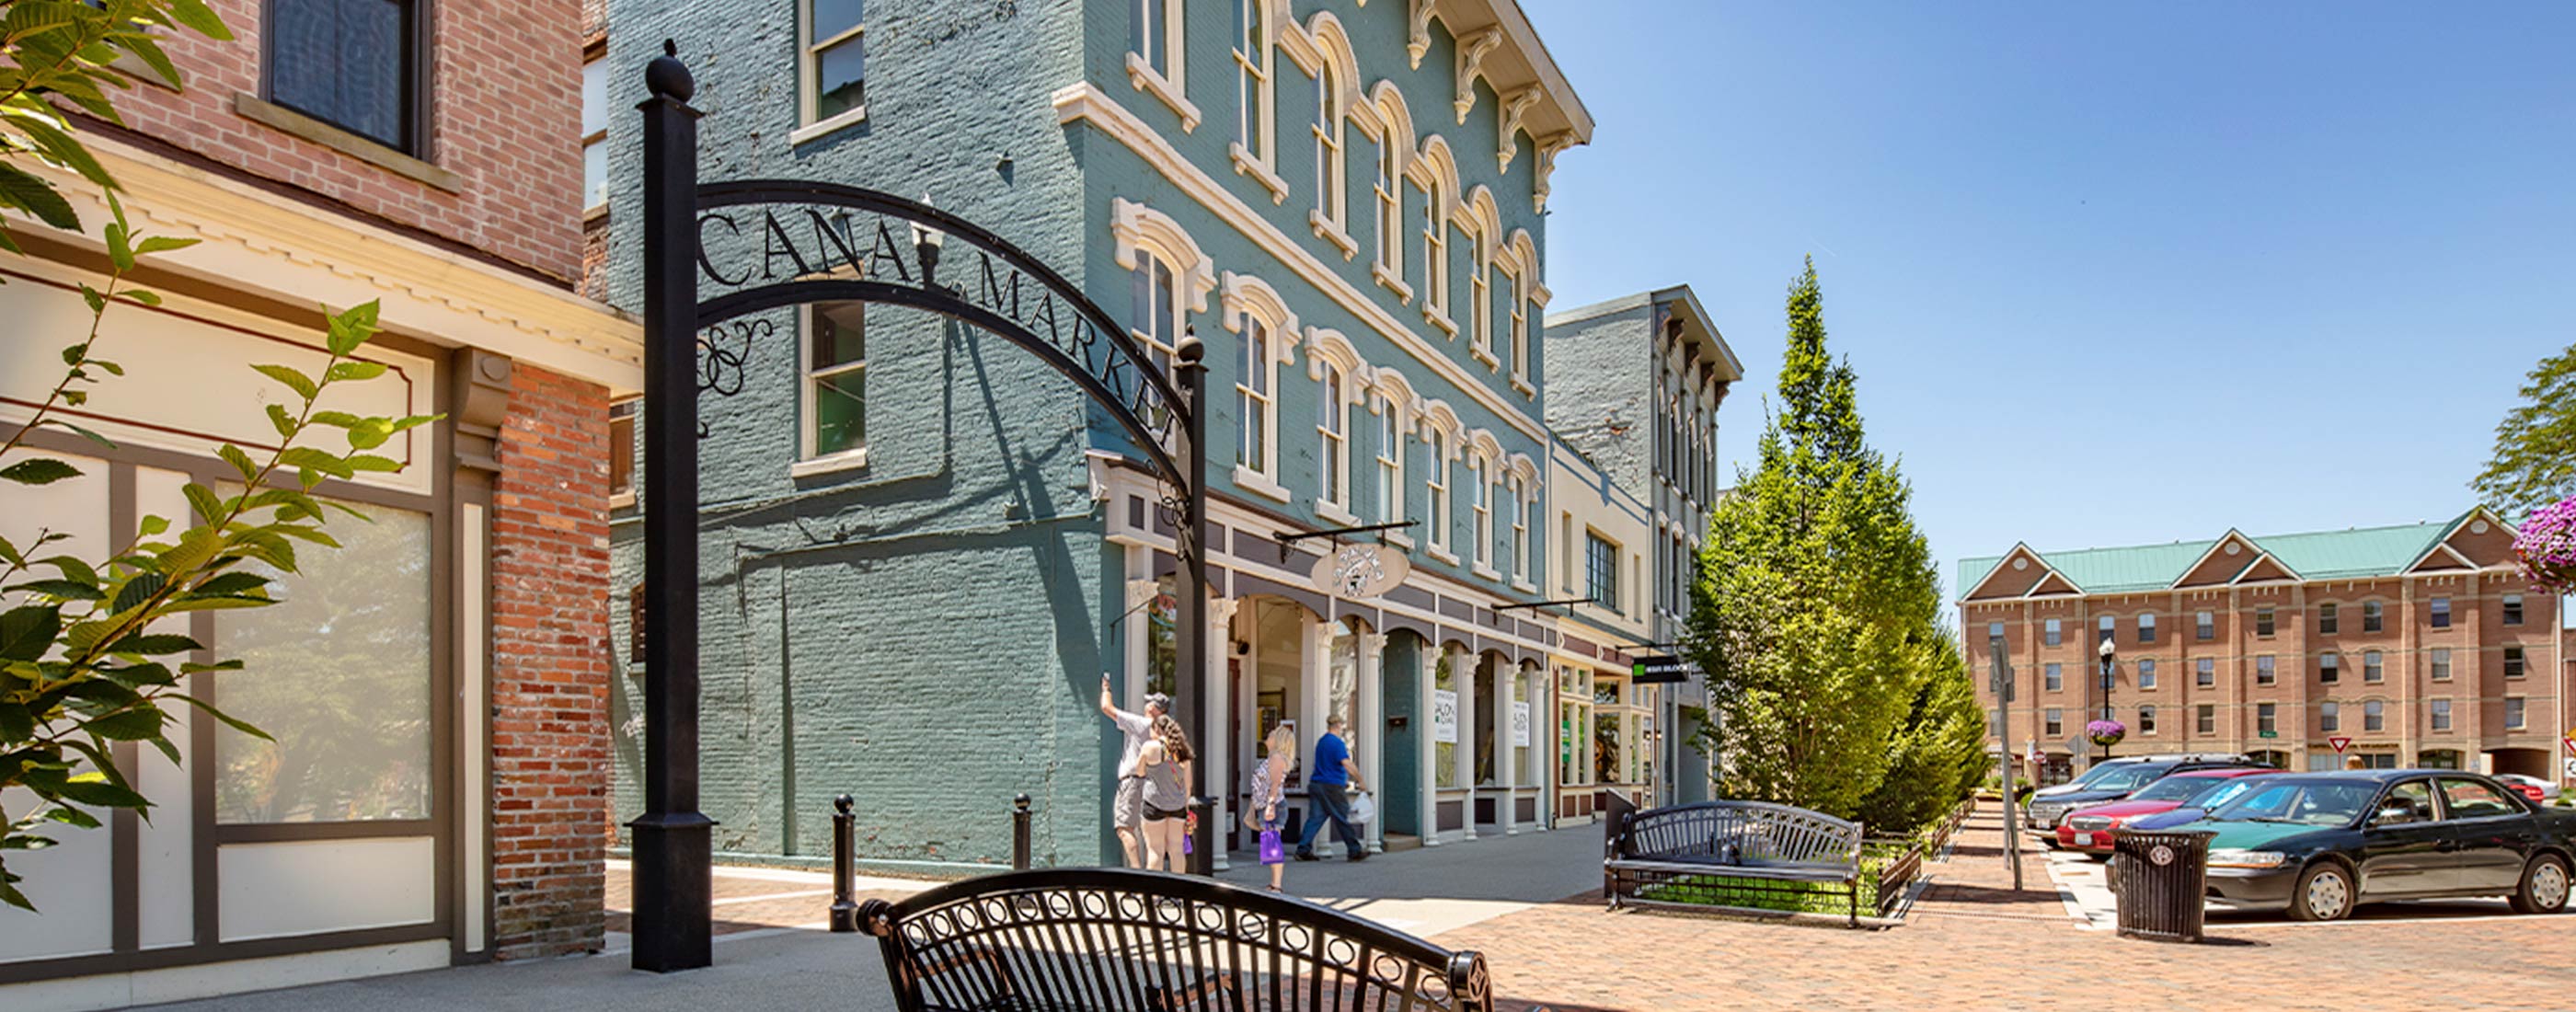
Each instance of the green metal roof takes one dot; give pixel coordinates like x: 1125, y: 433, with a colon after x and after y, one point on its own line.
x: 2353, y: 553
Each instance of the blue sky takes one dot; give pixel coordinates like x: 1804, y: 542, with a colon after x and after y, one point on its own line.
x: 2110, y: 274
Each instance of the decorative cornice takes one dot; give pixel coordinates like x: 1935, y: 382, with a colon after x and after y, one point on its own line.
x: 1471, y: 65
x: 1547, y: 152
x: 1417, y: 40
x: 1508, y: 116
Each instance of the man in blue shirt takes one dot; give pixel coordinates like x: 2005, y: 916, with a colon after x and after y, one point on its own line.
x: 1335, y: 775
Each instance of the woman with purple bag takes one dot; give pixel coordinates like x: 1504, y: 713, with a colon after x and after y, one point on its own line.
x: 1269, y: 783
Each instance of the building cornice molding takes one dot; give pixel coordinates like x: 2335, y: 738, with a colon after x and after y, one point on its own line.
x: 294, y: 252
x: 1085, y: 102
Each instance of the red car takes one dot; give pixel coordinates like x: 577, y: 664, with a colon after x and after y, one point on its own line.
x: 2088, y: 831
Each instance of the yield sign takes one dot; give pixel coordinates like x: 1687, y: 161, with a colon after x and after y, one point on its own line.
x: 2570, y: 742
x: 2340, y: 743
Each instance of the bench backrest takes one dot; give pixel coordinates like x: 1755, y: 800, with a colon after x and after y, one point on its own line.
x: 1752, y: 832
x: 1115, y: 940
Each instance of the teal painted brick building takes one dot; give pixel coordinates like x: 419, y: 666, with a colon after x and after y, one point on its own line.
x: 923, y: 548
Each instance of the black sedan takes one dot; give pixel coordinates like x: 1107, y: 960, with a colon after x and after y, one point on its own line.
x: 2319, y: 844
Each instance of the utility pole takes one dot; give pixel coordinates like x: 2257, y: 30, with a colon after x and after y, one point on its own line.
x: 2003, y: 685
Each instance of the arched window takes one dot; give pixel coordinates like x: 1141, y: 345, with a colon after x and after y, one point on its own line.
x: 1390, y: 458
x: 1481, y: 288
x: 1153, y: 291
x: 1253, y: 401
x: 1332, y: 438
x: 1390, y: 209
x: 1480, y: 492
x: 1520, y: 529
x: 1436, y: 485
x: 1435, y: 255
x: 1330, y: 198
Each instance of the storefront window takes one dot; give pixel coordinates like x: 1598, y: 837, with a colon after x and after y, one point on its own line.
x: 1162, y: 644
x: 338, y: 674
x: 1526, y: 709
x: 1343, y: 685
x: 1444, y: 692
x: 1573, y: 725
x: 1607, y: 753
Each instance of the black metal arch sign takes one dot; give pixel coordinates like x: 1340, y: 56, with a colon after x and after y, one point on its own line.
x: 771, y: 243
x: 792, y: 242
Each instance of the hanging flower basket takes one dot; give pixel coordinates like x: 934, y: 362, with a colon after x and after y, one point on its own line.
x: 2547, y: 547
x: 2106, y: 733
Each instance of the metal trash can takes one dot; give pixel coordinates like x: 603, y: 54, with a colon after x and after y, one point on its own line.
x: 2158, y: 879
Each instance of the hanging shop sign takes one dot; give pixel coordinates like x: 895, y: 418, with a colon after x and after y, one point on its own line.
x: 1520, y: 724
x: 1361, y: 570
x: 1654, y: 668
x: 1444, y: 716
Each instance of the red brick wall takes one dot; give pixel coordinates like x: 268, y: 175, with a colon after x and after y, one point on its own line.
x: 505, y: 114
x: 550, y: 759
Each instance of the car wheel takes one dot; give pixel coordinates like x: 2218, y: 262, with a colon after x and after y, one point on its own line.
x: 2544, y: 886
x: 2324, y: 893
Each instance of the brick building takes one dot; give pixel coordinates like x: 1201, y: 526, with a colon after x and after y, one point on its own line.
x: 447, y: 806
x: 2418, y: 643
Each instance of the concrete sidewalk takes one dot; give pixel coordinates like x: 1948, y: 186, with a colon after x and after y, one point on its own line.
x: 1434, y: 889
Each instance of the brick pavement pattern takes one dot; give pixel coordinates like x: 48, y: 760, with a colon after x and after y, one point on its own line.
x: 1974, y: 942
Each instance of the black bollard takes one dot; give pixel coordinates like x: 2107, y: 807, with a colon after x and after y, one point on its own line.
x: 845, y: 910
x: 1199, y: 861
x: 1020, y: 833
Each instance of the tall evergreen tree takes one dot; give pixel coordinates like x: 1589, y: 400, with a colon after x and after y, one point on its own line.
x: 1816, y: 613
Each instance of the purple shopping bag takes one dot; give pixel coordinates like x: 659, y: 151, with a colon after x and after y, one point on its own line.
x: 1272, y: 851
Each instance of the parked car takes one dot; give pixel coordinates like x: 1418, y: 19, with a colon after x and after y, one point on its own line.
x: 2319, y: 844
x: 2531, y: 787
x: 2111, y: 781
x: 2088, y: 830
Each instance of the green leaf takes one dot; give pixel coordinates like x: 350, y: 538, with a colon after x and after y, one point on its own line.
x: 370, y: 433
x: 141, y: 297
x: 200, y: 19
x: 68, y: 590
x: 71, y: 817
x: 336, y: 419
x: 144, y: 48
x: 26, y: 191
x: 119, y: 251
x: 95, y: 789
x: 137, y: 590
x: 152, y: 527
x: 84, y: 433
x: 232, y: 583
x: 308, y: 457
x: 352, y: 327
x: 283, y: 422
x: 304, y: 533
x: 26, y: 632
x: 240, y: 461
x: 347, y: 371
x: 202, y: 499
x: 59, y: 147
x: 39, y: 471
x: 71, y: 566
x: 296, y: 381
x: 16, y: 723
x: 371, y: 462
x: 97, y: 300
x: 133, y: 724
x: 156, y: 643
x: 163, y: 244
x: 227, y: 718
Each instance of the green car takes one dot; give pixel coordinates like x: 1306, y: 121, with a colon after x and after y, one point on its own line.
x: 2319, y: 844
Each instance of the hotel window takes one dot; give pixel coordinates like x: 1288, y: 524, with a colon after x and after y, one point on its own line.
x: 2056, y: 677
x: 2147, y: 674
x: 2264, y: 671
x: 2329, y: 717
x: 2147, y: 628
x: 1331, y: 197
x: 2374, y: 716
x: 2326, y: 624
x: 1520, y: 530
x: 2441, y: 614
x: 1601, y: 570
x: 1390, y: 207
x: 1390, y: 461
x: 1252, y: 78
x: 1252, y: 400
x: 1435, y: 254
x: 1436, y: 485
x: 2146, y: 720
x: 1994, y: 631
x: 1516, y: 288
x: 2329, y: 667
x: 2106, y: 626
x: 2513, y: 609
x: 2513, y: 713
x: 835, y: 68
x: 1480, y: 508
x: 2372, y: 615
x: 2263, y: 621
x: 1152, y: 292
x: 351, y: 63
x: 2266, y: 717
x: 2441, y: 664
x: 2372, y: 670
x: 2205, y: 718
x: 836, y: 416
x: 2513, y: 662
x: 1480, y: 287
x: 1333, y: 439
x: 2052, y: 634
x: 2441, y: 715
x: 594, y: 134
x: 2056, y: 723
x: 2204, y: 672
x: 621, y: 450
x: 2205, y: 626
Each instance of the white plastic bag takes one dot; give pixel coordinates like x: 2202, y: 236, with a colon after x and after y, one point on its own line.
x: 1363, y: 809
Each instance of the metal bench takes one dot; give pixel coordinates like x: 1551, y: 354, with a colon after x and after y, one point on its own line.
x: 1114, y: 940
x: 1693, y: 857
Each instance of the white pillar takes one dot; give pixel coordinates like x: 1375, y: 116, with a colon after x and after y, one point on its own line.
x: 1216, y: 776
x: 1466, y: 750
x: 1139, y: 594
x: 1426, y: 752
x: 1371, y: 729
x: 1506, y: 758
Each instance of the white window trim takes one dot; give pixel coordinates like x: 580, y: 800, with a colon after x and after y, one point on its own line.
x: 1332, y: 164
x: 1480, y: 287
x: 1257, y: 117
x: 1443, y: 447
x: 1337, y: 473
x: 1480, y: 509
x: 807, y: 46
x: 1326, y: 230
x: 1265, y: 397
x: 589, y: 208
x: 1169, y: 90
x: 808, y: 461
x: 1242, y: 297
x: 1390, y: 459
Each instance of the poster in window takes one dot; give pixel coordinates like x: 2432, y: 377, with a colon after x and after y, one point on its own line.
x: 1444, y: 716
x: 1520, y: 724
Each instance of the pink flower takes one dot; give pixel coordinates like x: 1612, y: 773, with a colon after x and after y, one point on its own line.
x: 2547, y: 547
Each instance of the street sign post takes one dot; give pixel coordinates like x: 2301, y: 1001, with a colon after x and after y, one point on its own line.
x: 2267, y: 734
x: 2002, y: 675
x: 2340, y: 743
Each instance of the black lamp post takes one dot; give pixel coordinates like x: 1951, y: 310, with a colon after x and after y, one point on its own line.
x: 2108, y: 652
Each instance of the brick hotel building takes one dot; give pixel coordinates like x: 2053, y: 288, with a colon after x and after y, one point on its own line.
x: 2419, y: 643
